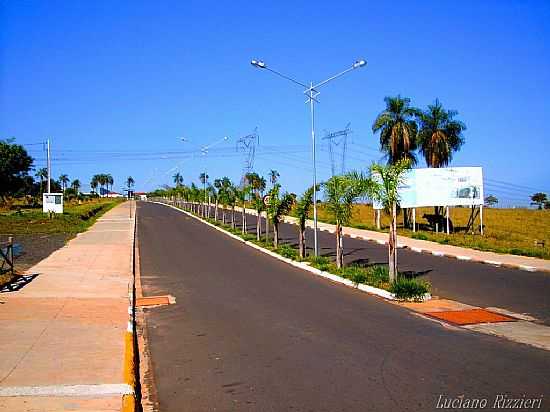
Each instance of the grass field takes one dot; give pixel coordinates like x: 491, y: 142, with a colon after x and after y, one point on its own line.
x: 513, y: 231
x: 39, y: 235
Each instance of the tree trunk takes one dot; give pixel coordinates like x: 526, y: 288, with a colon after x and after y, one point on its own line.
x: 216, y: 210
x: 302, y: 241
x: 275, y: 235
x: 223, y: 216
x: 244, y: 220
x: 259, y: 226
x: 233, y: 217
x: 392, y: 247
x: 339, y: 246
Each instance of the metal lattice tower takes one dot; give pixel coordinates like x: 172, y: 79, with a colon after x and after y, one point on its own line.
x: 247, y: 145
x: 337, y: 139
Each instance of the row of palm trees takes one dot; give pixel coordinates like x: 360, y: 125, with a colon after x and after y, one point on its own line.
x: 101, y: 180
x: 63, y: 181
x: 405, y: 129
x: 340, y: 194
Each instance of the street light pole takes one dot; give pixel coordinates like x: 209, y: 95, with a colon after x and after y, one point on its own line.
x: 49, y: 167
x: 311, y: 92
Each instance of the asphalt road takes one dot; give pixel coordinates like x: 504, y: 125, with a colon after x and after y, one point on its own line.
x: 251, y: 333
x: 473, y: 283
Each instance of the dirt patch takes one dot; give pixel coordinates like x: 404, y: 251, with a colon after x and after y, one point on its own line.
x: 35, y: 247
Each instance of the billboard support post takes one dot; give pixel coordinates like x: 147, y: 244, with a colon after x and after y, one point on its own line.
x: 481, y: 219
x: 414, y: 219
x: 378, y: 219
x: 447, y: 216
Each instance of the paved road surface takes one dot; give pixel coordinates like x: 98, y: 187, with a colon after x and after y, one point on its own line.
x: 468, y: 282
x: 251, y: 333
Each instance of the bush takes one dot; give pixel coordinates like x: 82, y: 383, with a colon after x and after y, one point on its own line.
x: 320, y: 262
x: 354, y: 273
x: 287, y: 251
x: 378, y: 276
x: 420, y: 236
x: 414, y: 289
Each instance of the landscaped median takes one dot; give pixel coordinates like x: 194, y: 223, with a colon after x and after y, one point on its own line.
x: 372, y: 279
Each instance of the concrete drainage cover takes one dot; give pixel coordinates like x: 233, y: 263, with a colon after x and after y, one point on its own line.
x: 155, y: 301
x: 470, y: 316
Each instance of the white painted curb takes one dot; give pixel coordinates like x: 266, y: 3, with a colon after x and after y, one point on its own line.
x: 301, y: 265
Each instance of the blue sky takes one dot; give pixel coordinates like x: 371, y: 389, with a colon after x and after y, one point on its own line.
x: 115, y: 83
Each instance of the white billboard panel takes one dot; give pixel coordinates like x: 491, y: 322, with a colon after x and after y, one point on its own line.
x: 450, y: 186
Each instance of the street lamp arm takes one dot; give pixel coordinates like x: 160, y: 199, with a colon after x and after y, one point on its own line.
x: 287, y: 77
x: 332, y: 78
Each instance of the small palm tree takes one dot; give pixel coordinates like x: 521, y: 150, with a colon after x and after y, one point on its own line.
x: 76, y: 186
x: 242, y: 195
x: 303, y: 206
x: 64, y: 179
x: 398, y: 129
x: 381, y: 186
x: 340, y: 194
x: 226, y: 195
x: 203, y: 177
x: 258, y: 185
x: 279, y: 205
x: 217, y: 186
x: 110, y: 181
x: 43, y: 175
x: 440, y: 135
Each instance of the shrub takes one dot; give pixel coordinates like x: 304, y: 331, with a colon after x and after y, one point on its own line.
x: 354, y: 273
x: 378, y: 275
x: 420, y: 236
x: 287, y: 251
x: 414, y: 289
x: 320, y: 262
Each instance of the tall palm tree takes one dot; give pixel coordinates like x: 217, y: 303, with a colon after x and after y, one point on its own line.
x: 76, y: 186
x: 341, y: 191
x: 94, y: 183
x: 273, y: 177
x: 398, y: 129
x: 440, y: 135
x: 178, y: 179
x: 279, y: 205
x: 130, y: 182
x: 43, y: 175
x: 64, y: 179
x: 303, y: 206
x: 110, y: 181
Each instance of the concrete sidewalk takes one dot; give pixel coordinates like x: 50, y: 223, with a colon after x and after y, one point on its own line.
x: 424, y: 246
x: 62, y: 344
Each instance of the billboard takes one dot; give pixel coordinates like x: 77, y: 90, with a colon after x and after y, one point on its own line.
x: 52, y: 202
x: 449, y: 186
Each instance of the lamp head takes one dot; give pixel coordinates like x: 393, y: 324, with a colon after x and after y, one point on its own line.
x: 258, y: 63
x: 359, y: 63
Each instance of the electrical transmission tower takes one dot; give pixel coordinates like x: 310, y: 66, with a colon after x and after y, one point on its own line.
x: 335, y: 140
x: 247, y: 145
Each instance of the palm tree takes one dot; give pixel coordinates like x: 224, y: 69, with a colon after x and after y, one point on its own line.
x: 398, y: 129
x: 340, y: 194
x: 130, y: 182
x: 76, y: 186
x: 381, y: 187
x: 258, y: 185
x: 303, y: 206
x: 43, y: 175
x: 279, y: 205
x: 217, y: 186
x: 273, y: 177
x: 64, y: 179
x: 178, y: 179
x: 204, y: 179
x: 226, y: 195
x: 94, y: 183
x: 110, y: 181
x: 440, y: 135
x: 241, y: 195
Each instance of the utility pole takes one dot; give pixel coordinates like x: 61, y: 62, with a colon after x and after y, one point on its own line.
x: 49, y: 167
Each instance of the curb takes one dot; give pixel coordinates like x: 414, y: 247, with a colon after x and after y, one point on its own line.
x: 131, y: 401
x: 301, y: 265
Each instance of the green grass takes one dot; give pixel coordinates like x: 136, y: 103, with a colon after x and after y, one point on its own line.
x: 75, y: 219
x: 512, y: 231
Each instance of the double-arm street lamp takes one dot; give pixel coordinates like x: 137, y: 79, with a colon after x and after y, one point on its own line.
x: 311, y: 92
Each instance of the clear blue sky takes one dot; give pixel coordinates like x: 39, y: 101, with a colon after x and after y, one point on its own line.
x: 115, y: 83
